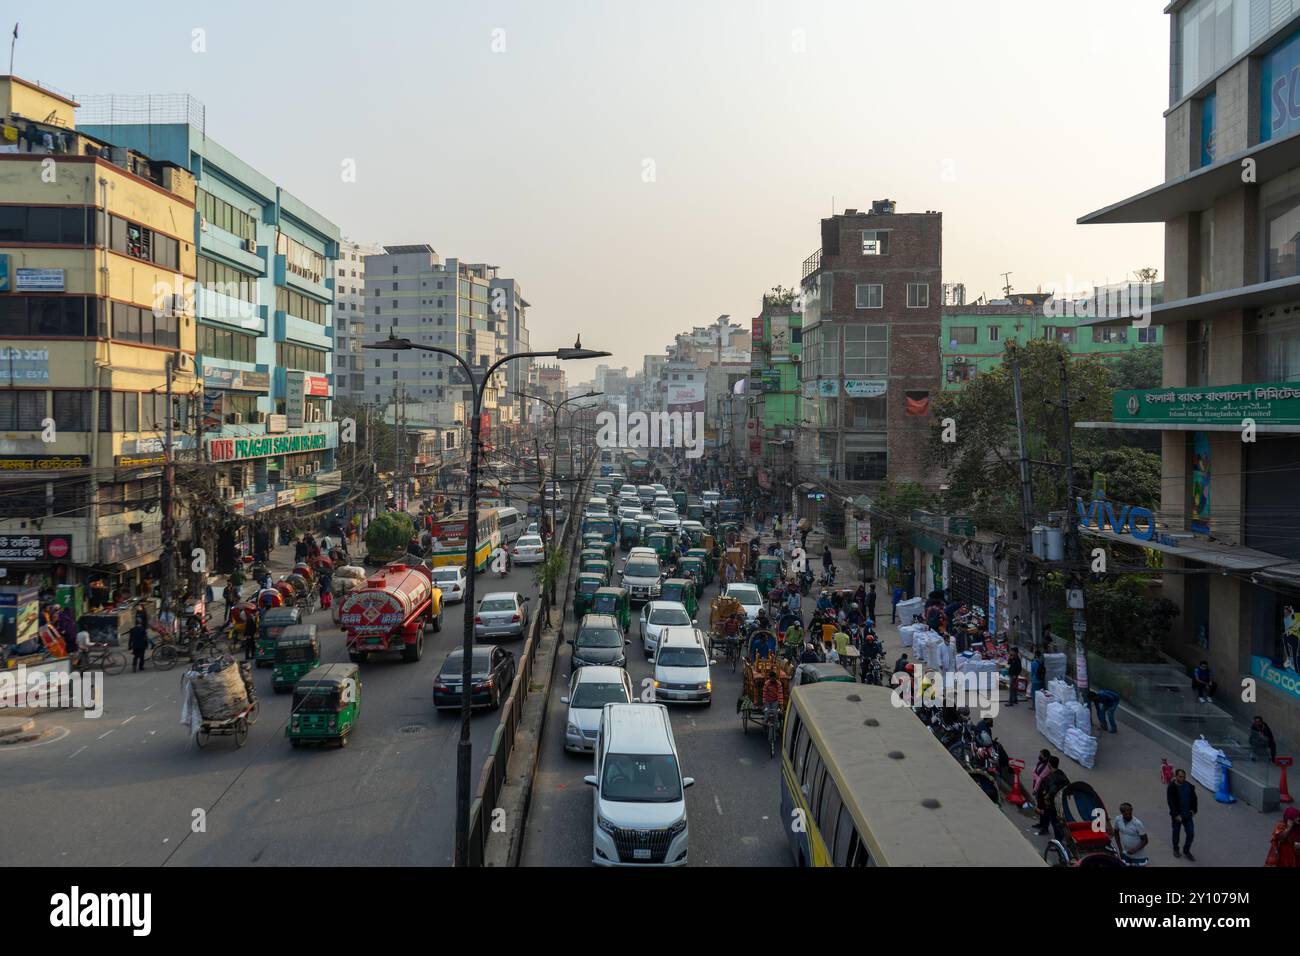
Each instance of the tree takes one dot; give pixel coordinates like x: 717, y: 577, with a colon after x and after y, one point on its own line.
x: 1146, y: 274
x: 982, y: 462
x: 387, y: 536
x: 1129, y: 475
x: 1137, y: 368
x: 891, y: 510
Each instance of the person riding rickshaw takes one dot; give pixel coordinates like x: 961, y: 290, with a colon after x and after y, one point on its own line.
x: 768, y: 572
x: 694, y: 569
x: 614, y: 601
x: 681, y: 590
x: 584, y: 591
x: 629, y: 534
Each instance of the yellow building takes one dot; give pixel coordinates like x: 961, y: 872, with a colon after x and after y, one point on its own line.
x: 97, y: 264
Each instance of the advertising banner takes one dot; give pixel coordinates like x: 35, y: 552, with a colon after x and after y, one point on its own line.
x: 1269, y: 403
x: 295, y: 397
x: 236, y: 380
x: 23, y: 366
x: 30, y: 548
x: 779, y: 330
x: 1201, y: 482
x: 865, y: 388
x: 263, y: 446
x: 38, y: 280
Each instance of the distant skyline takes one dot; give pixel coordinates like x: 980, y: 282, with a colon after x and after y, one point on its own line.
x: 641, y: 169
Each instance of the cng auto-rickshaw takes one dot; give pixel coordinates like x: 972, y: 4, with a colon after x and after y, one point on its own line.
x: 629, y: 534
x: 767, y: 572
x: 592, y: 554
x: 326, y: 703
x: 297, y: 651
x: 600, y: 544
x: 599, y: 566
x: 706, y: 559
x: 663, y: 543
x: 693, y: 567
x: 679, y: 499
x: 694, y: 531
x: 274, y: 621
x: 615, y: 601
x: 681, y: 590
x: 697, y: 512
x: 584, y: 590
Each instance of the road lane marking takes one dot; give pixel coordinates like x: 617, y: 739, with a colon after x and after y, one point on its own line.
x: 717, y: 803
x: 129, y: 719
x: 103, y: 735
x: 78, y: 750
x: 150, y: 707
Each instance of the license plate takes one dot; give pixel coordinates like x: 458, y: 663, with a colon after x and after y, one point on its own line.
x: 640, y: 854
x: 374, y: 640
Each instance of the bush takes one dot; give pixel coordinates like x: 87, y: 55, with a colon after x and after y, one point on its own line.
x: 1125, y: 622
x: 387, y: 536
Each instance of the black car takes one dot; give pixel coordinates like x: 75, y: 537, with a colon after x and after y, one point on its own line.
x: 492, y: 672
x: 600, y: 640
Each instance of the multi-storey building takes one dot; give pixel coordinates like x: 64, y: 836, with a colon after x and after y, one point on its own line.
x: 265, y: 332
x: 97, y: 262
x: 350, y: 318
x: 509, y: 312
x: 871, y: 321
x: 973, y: 337
x: 1229, y: 409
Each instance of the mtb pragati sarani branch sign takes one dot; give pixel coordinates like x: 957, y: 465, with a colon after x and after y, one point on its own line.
x: 263, y: 446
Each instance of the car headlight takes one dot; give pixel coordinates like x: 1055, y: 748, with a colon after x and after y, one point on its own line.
x: 574, y: 729
x: 677, y: 828
x: 609, y: 827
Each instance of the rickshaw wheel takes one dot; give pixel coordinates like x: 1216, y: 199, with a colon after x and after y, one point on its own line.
x: 241, y: 732
x: 254, y: 712
x: 1055, y: 854
x: 201, y: 738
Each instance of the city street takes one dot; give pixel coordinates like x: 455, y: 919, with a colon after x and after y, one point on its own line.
x: 126, y: 786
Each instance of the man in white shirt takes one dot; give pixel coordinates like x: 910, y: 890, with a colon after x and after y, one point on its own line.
x: 946, y: 655
x: 1131, y: 835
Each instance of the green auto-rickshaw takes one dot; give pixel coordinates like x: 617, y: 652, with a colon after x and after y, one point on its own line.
x: 679, y: 499
x: 616, y: 601
x: 326, y: 703
x: 273, y: 622
x: 593, y: 539
x: 706, y: 559
x: 768, y: 572
x: 694, y: 567
x: 599, y: 566
x: 629, y: 534
x: 590, y: 554
x: 607, y: 528
x: 662, y: 542
x: 584, y: 590
x: 694, y: 531
x: 682, y: 591
x: 297, y: 651
x: 697, y: 512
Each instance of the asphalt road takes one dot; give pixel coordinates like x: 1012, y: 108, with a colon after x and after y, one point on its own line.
x: 734, y: 808
x: 123, y: 789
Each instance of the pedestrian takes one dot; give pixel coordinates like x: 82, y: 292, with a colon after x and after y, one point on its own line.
x: 1284, y: 844
x: 828, y: 559
x: 1130, y: 836
x: 841, y: 643
x: 1053, y: 783
x: 1261, y: 739
x: 1037, y: 679
x: 946, y: 655
x: 1040, y: 772
x: 1203, y: 682
x: 870, y: 601
x: 895, y: 599
x: 250, y: 635
x: 1014, y: 667
x: 810, y: 655
x: 1181, y: 797
x: 139, y: 643
x: 1106, y: 702
x: 794, y: 601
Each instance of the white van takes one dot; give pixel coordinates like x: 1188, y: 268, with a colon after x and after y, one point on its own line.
x: 639, y: 810
x: 511, y: 524
x: 682, y: 665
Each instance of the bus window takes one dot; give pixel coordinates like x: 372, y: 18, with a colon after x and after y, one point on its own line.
x: 857, y: 854
x: 829, y: 813
x: 818, y: 776
x: 844, y: 833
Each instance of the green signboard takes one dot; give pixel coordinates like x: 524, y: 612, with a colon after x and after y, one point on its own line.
x: 1272, y: 403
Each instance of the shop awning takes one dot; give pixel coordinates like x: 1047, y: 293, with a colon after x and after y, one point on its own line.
x: 1215, y: 554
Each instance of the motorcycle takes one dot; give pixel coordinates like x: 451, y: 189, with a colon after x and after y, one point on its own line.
x: 828, y: 576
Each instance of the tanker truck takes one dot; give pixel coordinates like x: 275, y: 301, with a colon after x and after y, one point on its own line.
x: 391, y: 611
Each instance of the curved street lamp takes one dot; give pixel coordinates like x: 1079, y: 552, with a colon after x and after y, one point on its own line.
x: 463, y: 748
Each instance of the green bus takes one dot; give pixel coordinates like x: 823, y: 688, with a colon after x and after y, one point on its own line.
x: 873, y: 787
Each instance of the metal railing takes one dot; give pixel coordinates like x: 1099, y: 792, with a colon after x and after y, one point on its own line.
x: 811, y: 265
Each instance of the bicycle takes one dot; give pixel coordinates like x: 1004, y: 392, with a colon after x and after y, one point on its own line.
x: 772, y: 720
x: 164, y: 656
x: 103, y: 658
x: 732, y: 648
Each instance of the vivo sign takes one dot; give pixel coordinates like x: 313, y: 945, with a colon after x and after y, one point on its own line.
x: 1132, y: 520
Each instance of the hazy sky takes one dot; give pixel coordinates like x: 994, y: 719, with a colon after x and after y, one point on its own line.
x: 1012, y: 117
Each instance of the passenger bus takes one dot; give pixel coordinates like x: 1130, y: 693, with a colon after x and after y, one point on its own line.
x: 871, y: 786
x: 448, y: 539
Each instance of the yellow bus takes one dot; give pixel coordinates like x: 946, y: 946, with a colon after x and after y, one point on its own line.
x: 865, y: 783
x: 447, y: 537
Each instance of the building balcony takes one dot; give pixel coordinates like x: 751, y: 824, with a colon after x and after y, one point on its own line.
x: 811, y: 265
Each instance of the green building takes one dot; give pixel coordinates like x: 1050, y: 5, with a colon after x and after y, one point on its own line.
x: 973, y: 336
x: 774, y: 383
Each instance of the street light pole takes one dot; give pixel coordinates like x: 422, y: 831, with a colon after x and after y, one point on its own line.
x: 464, y: 746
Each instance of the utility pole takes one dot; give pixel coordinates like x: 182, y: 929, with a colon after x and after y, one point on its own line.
x: 169, y: 476
x: 1029, y: 569
x: 1073, y: 554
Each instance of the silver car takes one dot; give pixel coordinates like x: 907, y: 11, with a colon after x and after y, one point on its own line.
x: 451, y: 579
x: 529, y: 549
x: 501, y: 614
x: 590, y: 689
x: 749, y: 596
x: 655, y: 616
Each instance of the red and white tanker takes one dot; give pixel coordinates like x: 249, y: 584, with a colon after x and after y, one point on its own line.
x: 391, y: 612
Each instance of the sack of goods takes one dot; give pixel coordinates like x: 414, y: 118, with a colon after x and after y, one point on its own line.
x: 905, y: 634
x: 1060, y: 689
x: 1042, y: 700
x: 1205, y: 764
x: 976, y: 664
x: 1080, y: 747
x: 908, y: 608
x: 1054, y: 664
x: 350, y: 571
x: 220, y: 689
x: 1058, y: 722
x: 1080, y: 716
x: 924, y: 644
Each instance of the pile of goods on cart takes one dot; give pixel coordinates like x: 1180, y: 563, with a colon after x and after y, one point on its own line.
x: 218, y: 698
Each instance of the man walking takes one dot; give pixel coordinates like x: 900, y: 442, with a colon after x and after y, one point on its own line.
x: 946, y: 656
x: 896, y: 597
x: 871, y: 602
x: 1014, y: 668
x: 1130, y: 836
x: 139, y: 643
x: 1181, y: 796
x: 1106, y: 702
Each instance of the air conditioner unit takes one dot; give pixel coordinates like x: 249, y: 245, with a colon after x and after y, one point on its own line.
x: 250, y: 245
x: 259, y: 417
x: 235, y: 418
x: 184, y: 362
x: 227, y: 491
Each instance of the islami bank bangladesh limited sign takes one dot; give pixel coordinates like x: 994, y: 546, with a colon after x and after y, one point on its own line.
x: 264, y: 446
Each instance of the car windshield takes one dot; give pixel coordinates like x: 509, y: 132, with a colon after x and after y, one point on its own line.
x: 294, y: 655
x: 681, y: 657
x: 641, y: 778
x: 588, y: 587
x: 319, y: 700
x: 667, y: 516
x: 593, y: 695
x: 642, y: 569
x: 669, y: 615
x: 445, y: 576
x: 599, y: 637
x: 745, y: 595
x: 497, y: 604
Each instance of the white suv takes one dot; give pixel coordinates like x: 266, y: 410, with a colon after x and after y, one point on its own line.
x: 682, y: 667
x: 639, y: 810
